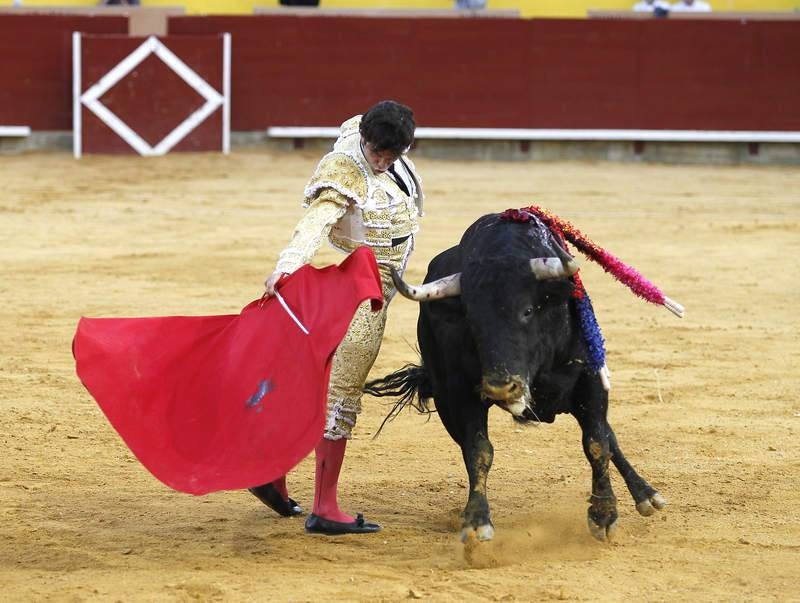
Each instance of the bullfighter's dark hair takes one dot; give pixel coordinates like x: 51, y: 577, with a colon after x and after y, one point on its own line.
x: 388, y: 126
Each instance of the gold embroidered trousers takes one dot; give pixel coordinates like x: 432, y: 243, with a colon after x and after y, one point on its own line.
x: 357, y: 353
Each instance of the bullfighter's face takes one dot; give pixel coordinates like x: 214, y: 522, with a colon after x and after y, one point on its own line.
x: 379, y: 161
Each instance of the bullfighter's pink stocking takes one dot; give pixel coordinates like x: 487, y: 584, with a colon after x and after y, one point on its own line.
x: 330, y: 455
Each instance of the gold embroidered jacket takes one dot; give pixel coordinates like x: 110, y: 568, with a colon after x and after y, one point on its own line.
x: 352, y: 206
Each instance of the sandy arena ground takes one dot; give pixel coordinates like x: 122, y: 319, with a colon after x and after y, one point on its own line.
x: 706, y: 407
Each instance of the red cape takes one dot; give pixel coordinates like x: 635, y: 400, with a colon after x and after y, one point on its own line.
x: 212, y: 403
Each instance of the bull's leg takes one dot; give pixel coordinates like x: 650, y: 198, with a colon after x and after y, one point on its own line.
x: 646, y: 497
x: 468, y: 426
x: 591, y: 416
x: 478, y: 455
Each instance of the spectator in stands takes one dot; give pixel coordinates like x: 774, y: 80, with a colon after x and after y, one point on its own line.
x: 364, y: 192
x: 691, y: 6
x: 471, y: 4
x: 651, y: 6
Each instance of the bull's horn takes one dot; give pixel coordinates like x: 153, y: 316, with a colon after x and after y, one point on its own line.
x: 448, y: 286
x: 571, y: 265
x: 547, y: 268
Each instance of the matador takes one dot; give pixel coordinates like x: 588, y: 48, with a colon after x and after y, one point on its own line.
x: 364, y: 192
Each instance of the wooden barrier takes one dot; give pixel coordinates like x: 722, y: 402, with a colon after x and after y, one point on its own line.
x: 649, y: 74
x: 513, y: 74
x: 36, y: 70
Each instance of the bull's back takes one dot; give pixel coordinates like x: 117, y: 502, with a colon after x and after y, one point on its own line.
x: 446, y: 263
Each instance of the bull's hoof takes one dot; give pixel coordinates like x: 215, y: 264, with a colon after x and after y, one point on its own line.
x: 602, y: 533
x: 485, y: 532
x: 649, y: 505
x: 481, y: 533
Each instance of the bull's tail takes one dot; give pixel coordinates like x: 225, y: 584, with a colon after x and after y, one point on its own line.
x: 410, y: 385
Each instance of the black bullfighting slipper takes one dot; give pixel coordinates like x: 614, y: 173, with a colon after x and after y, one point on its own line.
x: 269, y: 495
x: 319, y: 525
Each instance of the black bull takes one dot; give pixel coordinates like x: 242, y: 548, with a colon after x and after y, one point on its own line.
x: 498, y: 326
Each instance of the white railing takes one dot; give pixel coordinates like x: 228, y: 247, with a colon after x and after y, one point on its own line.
x: 15, y: 131
x: 559, y: 134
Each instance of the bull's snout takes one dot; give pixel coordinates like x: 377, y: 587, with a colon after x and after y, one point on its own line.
x: 508, y: 392
x: 498, y: 388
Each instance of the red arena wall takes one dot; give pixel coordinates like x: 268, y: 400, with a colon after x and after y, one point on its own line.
x: 36, y: 70
x: 512, y: 73
x: 454, y: 72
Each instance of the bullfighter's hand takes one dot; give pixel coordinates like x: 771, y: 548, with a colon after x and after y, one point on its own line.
x: 269, y: 284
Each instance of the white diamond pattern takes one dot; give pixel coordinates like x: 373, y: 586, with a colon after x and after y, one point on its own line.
x: 91, y: 98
